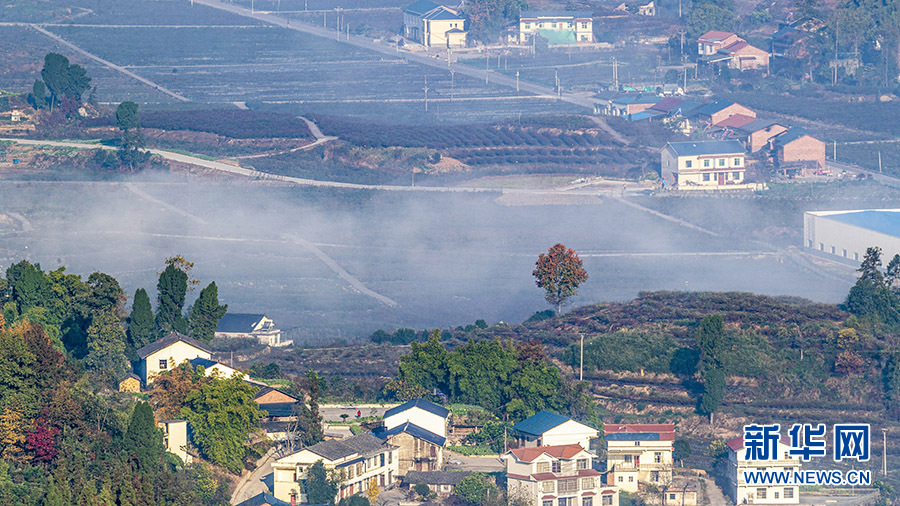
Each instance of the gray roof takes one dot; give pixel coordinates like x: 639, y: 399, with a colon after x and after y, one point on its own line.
x: 262, y: 498
x: 633, y: 436
x: 169, y: 340
x: 361, y: 443
x: 756, y: 126
x: 712, y: 108
x: 540, y: 423
x: 414, y: 431
x: 790, y: 136
x: 238, y: 322
x: 435, y: 477
x: 419, y: 403
x: 706, y: 148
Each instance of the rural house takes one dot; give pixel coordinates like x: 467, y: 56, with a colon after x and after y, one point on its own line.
x: 756, y: 135
x: 131, y: 383
x: 712, y: 41
x: 547, y: 428
x: 211, y: 367
x: 251, y: 326
x: 797, y: 148
x: 175, y: 438
x: 442, y: 483
x: 358, y: 459
x: 419, y: 429
x: 263, y: 499
x: 632, y: 103
x: 561, y: 475
x: 167, y: 353
x: 639, y: 453
x: 743, y: 493
x: 719, y: 111
x: 558, y: 27
x: 434, y: 25
x: 707, y: 165
x: 716, y: 47
x: 282, y: 411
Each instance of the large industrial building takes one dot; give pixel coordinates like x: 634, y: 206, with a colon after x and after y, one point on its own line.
x: 847, y: 234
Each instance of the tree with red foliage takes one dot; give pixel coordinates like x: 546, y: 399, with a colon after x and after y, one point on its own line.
x: 41, y: 441
x: 559, y: 273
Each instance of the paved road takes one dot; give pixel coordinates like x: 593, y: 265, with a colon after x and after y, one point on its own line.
x: 260, y: 480
x: 425, y: 59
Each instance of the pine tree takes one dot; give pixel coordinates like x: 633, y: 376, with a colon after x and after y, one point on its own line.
x: 143, y: 440
x: 206, y: 313
x: 172, y: 289
x: 713, y: 392
x: 141, y: 327
x: 106, y: 347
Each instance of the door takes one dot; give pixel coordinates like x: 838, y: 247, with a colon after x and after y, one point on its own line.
x: 721, y: 177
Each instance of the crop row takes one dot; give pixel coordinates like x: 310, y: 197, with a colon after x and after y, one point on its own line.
x: 236, y: 124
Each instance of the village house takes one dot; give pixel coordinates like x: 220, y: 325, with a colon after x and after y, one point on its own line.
x: 632, y: 103
x: 355, y: 460
x: 796, y: 147
x: 419, y: 429
x: 715, y: 46
x: 212, y: 367
x: 282, y: 411
x: 756, y: 135
x: 251, y: 326
x: 639, y: 453
x: 442, y: 483
x: 681, y: 492
x: 167, y: 353
x: 708, y: 165
x: 561, y: 475
x: 719, y: 111
x: 558, y: 27
x: 547, y: 429
x: 744, y: 493
x: 434, y: 25
x: 641, y: 9
x: 175, y: 438
x: 131, y: 383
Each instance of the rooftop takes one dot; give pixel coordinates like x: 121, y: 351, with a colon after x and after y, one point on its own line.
x: 790, y: 136
x: 557, y: 451
x: 699, y: 148
x: 885, y: 221
x: 540, y: 423
x: 169, y: 340
x: 415, y: 431
x: 556, y: 14
x: 760, y: 124
x: 421, y: 404
x: 737, y: 443
x: 239, y: 322
x: 714, y: 36
x: 361, y: 444
x: 435, y: 477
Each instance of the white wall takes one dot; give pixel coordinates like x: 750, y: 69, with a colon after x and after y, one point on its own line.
x: 173, y: 355
x: 822, y: 233
x: 418, y: 416
x: 570, y: 432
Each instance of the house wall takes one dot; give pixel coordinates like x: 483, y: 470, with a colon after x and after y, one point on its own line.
x: 418, y: 416
x: 130, y: 385
x: 805, y: 148
x: 846, y: 241
x: 223, y: 370
x: 286, y: 472
x: 437, y: 32
x: 570, y: 432
x: 583, y: 27
x: 175, y: 439
x: 730, y: 111
x: 642, y: 464
x: 749, y: 58
x: 760, y: 139
x: 707, y: 48
x: 174, y: 355
x: 702, y: 170
x: 742, y: 493
x: 416, y: 454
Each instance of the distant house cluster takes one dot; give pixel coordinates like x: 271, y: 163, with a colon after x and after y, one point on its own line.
x: 715, y: 46
x: 434, y: 25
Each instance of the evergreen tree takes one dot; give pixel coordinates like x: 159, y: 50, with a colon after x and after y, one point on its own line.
x: 713, y: 392
x: 39, y: 94
x: 710, y: 338
x: 172, y: 289
x: 206, y: 313
x: 141, y: 327
x: 891, y: 378
x: 106, y: 347
x: 320, y: 489
x: 143, y: 440
x: 869, y: 268
x: 313, y: 426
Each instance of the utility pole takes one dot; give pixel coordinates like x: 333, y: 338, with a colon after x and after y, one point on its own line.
x: 451, y: 85
x: 616, y: 72
x: 834, y: 151
x: 884, y: 452
x: 581, y: 369
x: 517, y: 80
x: 426, y: 95
x: 558, y: 92
x: 879, y: 162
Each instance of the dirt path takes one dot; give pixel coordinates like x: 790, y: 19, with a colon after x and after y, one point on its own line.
x: 608, y: 129
x: 313, y: 129
x: 714, y: 493
x: 108, y: 63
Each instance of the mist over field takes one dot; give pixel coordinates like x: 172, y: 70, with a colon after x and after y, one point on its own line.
x: 444, y: 259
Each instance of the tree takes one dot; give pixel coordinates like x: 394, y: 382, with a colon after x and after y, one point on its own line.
x: 713, y: 392
x: 320, y: 489
x: 709, y: 16
x: 426, y: 365
x: 172, y: 289
x: 893, y: 272
x: 710, y: 338
x: 475, y: 488
x: 141, y: 328
x: 891, y: 379
x: 143, y: 440
x: 39, y: 94
x: 127, y: 117
x: 314, y: 431
x: 206, y: 313
x: 106, y: 347
x: 869, y: 268
x: 422, y: 489
x: 172, y: 388
x: 64, y: 80
x: 128, y: 121
x: 373, y: 490
x: 559, y: 273
x: 13, y: 432
x: 681, y: 450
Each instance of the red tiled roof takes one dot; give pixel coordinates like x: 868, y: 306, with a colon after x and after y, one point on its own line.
x: 557, y: 451
x: 736, y: 121
x: 714, y: 35
x: 608, y: 491
x: 737, y: 443
x: 587, y: 494
x: 666, y: 431
x: 737, y: 46
x: 518, y: 476
x: 548, y: 497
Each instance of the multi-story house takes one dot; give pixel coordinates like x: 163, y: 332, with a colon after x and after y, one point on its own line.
x: 419, y: 429
x: 167, y: 353
x: 639, y: 453
x: 707, y: 165
x: 434, y: 25
x: 715, y: 46
x: 558, y: 27
x: 353, y: 461
x: 251, y: 326
x: 560, y: 475
x: 175, y: 438
x: 547, y: 429
x: 744, y: 493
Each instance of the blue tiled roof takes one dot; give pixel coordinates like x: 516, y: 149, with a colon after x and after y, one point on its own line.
x: 238, y: 322
x: 421, y: 7
x: 885, y: 222
x: 421, y: 404
x: 706, y: 148
x: 204, y: 362
x: 633, y: 436
x: 540, y: 423
x: 414, y: 431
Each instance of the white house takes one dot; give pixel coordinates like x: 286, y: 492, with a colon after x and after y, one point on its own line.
x: 175, y: 438
x: 214, y: 367
x: 704, y: 165
x: 251, y: 326
x: 639, y: 453
x: 167, y: 353
x: 354, y: 460
x: 548, y: 429
x: 561, y: 475
x: 434, y: 25
x: 558, y: 27
x: 420, y: 412
x: 743, y: 493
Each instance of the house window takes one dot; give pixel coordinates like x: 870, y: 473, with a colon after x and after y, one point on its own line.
x: 721, y: 162
x: 390, y: 457
x: 587, y: 483
x: 584, y: 26
x: 832, y: 250
x: 547, y: 503
x: 382, y: 460
x: 563, y: 501
x: 788, y: 493
x: 547, y: 487
x: 543, y: 467
x: 637, y: 443
x: 570, y: 485
x: 583, y: 463
x: 672, y: 496
x: 587, y: 501
x: 776, y: 495
x: 845, y: 254
x: 557, y: 466
x: 706, y: 176
x: 654, y: 476
x: 760, y: 493
x: 631, y: 479
x: 821, y: 246
x: 735, y: 175
x: 628, y: 459
x: 553, y: 25
x: 351, y: 472
x: 706, y: 163
x: 621, y: 479
x: 687, y: 164
x: 657, y: 457
x: 606, y: 500
x: 855, y: 255
x: 163, y: 364
x: 737, y: 162
x: 528, y: 26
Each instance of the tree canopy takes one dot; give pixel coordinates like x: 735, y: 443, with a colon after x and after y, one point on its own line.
x: 559, y: 272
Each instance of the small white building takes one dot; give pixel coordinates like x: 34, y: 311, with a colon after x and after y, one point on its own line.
x: 167, y: 353
x: 549, y: 429
x: 419, y: 412
x: 251, y: 326
x: 434, y: 25
x: 356, y: 460
x: 744, y: 493
x: 175, y: 438
x: 639, y: 453
x: 561, y: 475
x: 558, y: 27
